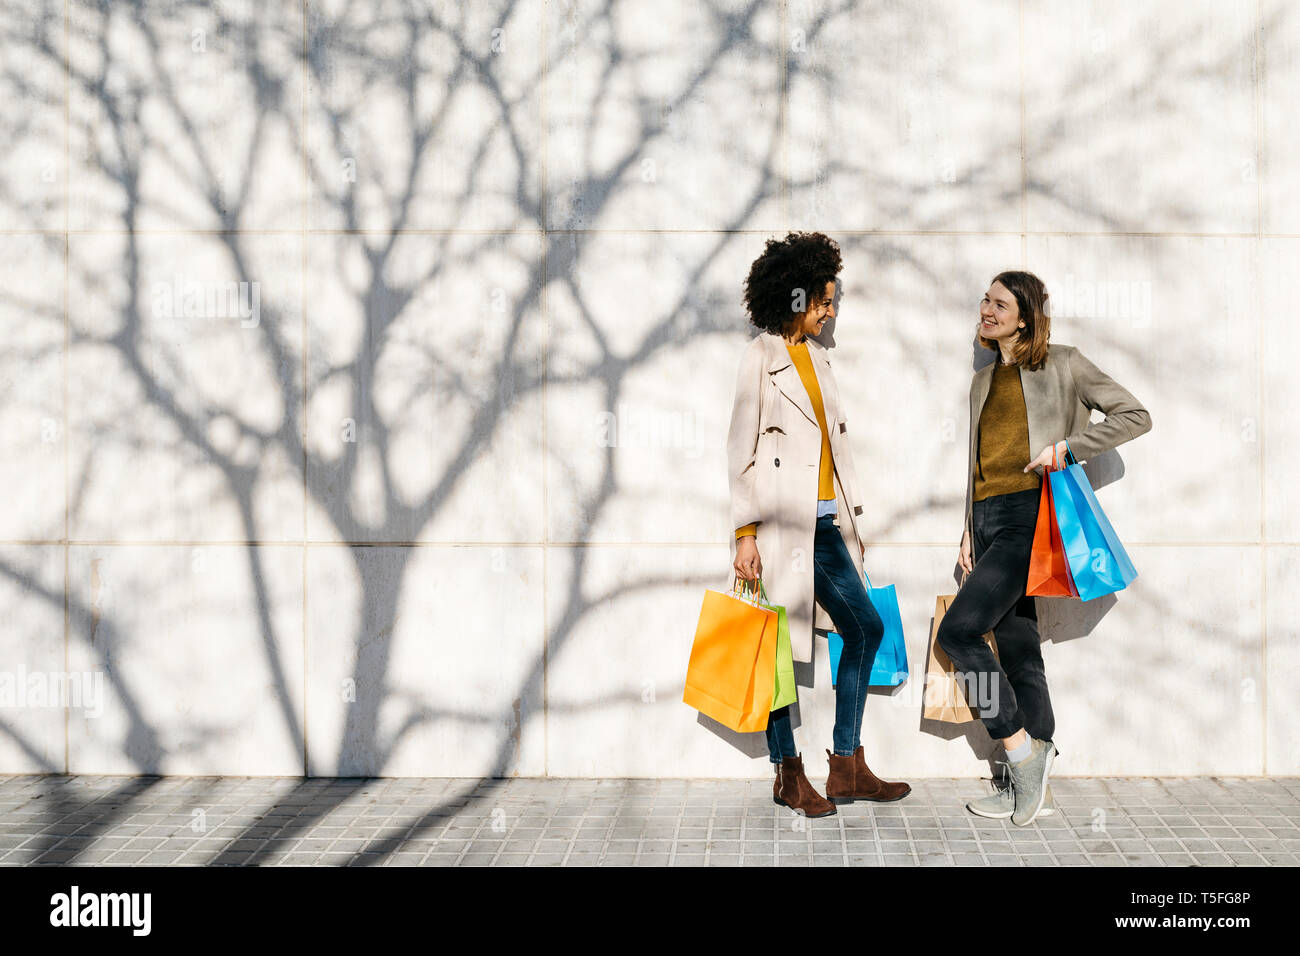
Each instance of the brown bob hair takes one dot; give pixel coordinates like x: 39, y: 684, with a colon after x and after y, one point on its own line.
x: 1030, y: 347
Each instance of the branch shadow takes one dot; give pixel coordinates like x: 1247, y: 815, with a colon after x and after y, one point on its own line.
x: 331, y: 50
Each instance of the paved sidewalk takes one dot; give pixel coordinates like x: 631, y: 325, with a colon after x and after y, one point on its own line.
x: 118, y: 820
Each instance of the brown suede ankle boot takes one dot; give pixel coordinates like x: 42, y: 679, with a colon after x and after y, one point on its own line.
x: 851, y: 779
x: 793, y: 790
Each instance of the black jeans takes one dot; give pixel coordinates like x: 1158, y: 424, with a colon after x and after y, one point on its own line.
x: 993, y: 598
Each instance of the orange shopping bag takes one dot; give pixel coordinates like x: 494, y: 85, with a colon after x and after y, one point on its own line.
x: 733, y: 661
x: 1049, y: 569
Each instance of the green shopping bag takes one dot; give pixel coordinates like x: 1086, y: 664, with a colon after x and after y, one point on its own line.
x: 783, y: 690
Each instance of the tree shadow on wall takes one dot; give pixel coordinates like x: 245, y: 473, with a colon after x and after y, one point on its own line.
x: 371, y: 137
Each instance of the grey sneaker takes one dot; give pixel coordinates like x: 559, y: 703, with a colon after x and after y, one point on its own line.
x: 999, y: 804
x: 1002, y: 801
x: 1029, y: 781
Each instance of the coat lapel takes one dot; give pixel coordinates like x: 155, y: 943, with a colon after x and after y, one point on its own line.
x: 782, y: 371
x: 826, y: 383
x: 1036, y: 388
x: 1043, y: 391
x: 983, y: 379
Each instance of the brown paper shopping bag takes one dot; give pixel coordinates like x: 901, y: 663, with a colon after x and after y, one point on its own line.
x: 945, y: 698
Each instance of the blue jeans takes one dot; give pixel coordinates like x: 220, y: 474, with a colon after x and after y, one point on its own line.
x: 839, y: 589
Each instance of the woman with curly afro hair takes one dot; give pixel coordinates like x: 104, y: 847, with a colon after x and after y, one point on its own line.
x: 794, y: 495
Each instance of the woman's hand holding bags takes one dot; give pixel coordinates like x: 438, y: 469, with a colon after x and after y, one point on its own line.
x: 741, y: 666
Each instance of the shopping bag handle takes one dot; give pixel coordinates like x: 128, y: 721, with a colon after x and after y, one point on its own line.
x: 759, y: 592
x: 1065, y: 460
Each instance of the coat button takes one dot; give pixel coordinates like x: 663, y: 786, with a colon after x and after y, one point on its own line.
x: 777, y: 462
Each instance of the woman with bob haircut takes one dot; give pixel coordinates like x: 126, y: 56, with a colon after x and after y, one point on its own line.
x: 794, y: 494
x: 1033, y: 396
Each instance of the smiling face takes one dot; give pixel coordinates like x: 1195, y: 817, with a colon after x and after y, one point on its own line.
x: 815, y: 317
x: 999, y: 315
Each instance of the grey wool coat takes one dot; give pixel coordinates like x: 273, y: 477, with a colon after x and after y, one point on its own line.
x: 773, y: 453
x: 1059, y: 399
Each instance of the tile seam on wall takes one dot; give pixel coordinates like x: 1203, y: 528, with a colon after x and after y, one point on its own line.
x: 1261, y: 432
x: 783, y: 113
x: 294, y: 543
x: 1024, y: 174
x: 305, y: 200
x: 635, y: 231
x: 67, y: 358
x: 544, y: 199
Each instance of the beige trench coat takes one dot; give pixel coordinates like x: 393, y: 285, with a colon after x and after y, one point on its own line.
x: 773, y: 453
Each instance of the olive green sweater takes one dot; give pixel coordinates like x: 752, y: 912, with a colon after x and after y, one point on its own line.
x: 1003, y: 445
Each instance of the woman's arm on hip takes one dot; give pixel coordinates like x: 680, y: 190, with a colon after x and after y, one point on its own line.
x: 1125, y: 419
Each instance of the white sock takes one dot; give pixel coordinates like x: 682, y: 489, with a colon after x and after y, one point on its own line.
x: 1020, y: 753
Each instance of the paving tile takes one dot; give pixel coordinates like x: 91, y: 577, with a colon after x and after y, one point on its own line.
x: 551, y: 822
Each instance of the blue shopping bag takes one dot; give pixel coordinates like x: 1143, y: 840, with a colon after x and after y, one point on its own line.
x: 1098, y: 562
x: 889, y: 669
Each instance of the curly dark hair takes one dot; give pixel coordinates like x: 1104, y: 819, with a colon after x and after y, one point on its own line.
x: 801, y: 261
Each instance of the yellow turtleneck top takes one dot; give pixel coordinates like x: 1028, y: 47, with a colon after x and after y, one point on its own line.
x: 826, y: 468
